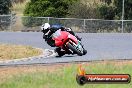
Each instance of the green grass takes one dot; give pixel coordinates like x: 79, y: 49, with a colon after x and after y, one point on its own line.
x: 66, y: 77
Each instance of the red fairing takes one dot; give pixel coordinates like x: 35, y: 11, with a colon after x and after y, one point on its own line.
x: 61, y: 37
x: 72, y: 38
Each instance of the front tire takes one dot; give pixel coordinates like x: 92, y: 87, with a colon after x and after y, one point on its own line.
x: 70, y: 46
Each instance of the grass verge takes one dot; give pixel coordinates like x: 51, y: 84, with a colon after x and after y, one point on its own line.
x: 8, y: 52
x: 61, y: 76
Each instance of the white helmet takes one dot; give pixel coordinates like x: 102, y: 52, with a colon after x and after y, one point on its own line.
x: 45, y: 26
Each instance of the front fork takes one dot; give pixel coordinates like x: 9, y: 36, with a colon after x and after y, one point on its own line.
x: 77, y: 46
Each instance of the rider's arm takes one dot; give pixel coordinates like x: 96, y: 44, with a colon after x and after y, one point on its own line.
x: 70, y: 31
x: 51, y: 42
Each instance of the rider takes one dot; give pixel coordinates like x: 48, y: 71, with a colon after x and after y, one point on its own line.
x: 48, y: 30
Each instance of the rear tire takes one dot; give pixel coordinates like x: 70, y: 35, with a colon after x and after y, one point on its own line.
x: 84, y: 51
x: 74, y: 49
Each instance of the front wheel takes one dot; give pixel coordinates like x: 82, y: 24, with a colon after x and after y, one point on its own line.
x: 74, y: 49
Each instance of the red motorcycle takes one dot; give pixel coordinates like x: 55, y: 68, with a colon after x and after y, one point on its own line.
x: 68, y: 43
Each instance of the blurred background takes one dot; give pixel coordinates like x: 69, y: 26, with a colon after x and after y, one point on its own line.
x: 87, y: 16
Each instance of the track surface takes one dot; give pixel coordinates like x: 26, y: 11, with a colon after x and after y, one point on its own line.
x: 99, y: 46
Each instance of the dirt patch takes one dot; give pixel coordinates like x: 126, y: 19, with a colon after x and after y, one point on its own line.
x: 9, y: 52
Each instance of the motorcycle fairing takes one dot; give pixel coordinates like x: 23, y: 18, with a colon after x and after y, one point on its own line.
x: 61, y: 37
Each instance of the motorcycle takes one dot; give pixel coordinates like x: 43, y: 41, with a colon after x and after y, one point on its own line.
x: 69, y: 43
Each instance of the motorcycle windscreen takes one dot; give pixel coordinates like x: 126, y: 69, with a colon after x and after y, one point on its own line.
x: 60, y: 37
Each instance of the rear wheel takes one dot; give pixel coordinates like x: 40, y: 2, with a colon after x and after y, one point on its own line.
x: 84, y: 51
x: 70, y: 46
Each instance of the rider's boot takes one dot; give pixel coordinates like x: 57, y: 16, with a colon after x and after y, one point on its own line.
x: 59, y: 52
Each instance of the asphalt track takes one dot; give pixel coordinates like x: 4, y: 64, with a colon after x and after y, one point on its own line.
x: 100, y: 46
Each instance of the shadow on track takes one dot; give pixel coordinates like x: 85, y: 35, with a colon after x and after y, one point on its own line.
x: 66, y: 56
